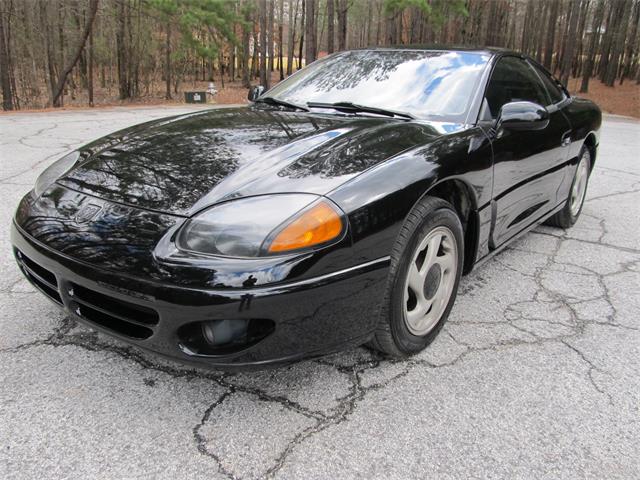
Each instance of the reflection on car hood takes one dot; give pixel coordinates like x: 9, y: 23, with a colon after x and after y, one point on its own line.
x: 183, y: 164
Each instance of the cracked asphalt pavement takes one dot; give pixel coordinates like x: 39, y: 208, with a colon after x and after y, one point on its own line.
x: 536, y: 374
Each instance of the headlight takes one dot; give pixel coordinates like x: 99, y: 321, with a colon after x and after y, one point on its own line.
x: 54, y: 172
x: 263, y: 225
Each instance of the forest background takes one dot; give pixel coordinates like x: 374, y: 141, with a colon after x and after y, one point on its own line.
x: 85, y: 53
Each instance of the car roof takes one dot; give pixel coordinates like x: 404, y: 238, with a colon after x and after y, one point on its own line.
x: 444, y: 48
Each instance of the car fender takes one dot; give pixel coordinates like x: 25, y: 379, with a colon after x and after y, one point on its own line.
x: 378, y: 201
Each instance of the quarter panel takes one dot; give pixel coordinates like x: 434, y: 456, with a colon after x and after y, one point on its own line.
x: 585, y: 118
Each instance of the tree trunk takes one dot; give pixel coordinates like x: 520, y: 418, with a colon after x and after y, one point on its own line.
x: 543, y: 12
x: 75, y: 11
x: 221, y: 63
x: 390, y: 27
x: 631, y: 44
x: 49, y: 57
x: 167, y: 62
x: 577, y: 64
x: 618, y: 43
x: 61, y: 51
x: 330, y: 25
x: 264, y: 73
x: 5, y: 80
x: 270, y: 40
x: 255, y: 59
x: 292, y: 35
x: 302, y: 28
x: 551, y: 34
x: 123, y: 81
x: 528, y: 24
x: 343, y: 6
x: 607, y: 41
x: 90, y: 70
x: 93, y: 8
x: 246, y: 81
x: 280, y: 37
x: 593, y: 44
x: 232, y: 63
x: 310, y: 32
x: 570, y: 42
x: 492, y: 30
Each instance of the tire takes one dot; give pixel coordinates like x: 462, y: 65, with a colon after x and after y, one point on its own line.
x: 401, y: 329
x: 569, y: 214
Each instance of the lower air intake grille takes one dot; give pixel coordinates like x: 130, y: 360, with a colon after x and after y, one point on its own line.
x: 122, y: 317
x: 40, y: 277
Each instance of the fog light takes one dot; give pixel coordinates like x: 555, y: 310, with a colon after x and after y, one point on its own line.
x: 219, y: 332
x: 223, y: 337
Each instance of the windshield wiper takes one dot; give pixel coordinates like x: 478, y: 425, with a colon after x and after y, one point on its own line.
x: 348, y: 107
x: 281, y: 103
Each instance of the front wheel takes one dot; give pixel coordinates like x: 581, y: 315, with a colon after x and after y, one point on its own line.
x: 426, y: 265
x: 566, y: 217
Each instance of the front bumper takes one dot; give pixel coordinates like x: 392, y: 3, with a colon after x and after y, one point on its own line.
x: 311, y: 317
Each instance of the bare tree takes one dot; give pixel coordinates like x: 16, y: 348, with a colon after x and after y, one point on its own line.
x: 302, y: 30
x: 57, y: 93
x: 155, y: 46
x: 607, y: 39
x: 264, y: 73
x: 123, y: 80
x: 7, y: 95
x: 631, y: 43
x: 570, y: 41
x: 90, y: 70
x: 330, y: 25
x: 167, y: 61
x: 291, y: 45
x: 270, y: 41
x: 594, y: 38
x: 280, y: 39
x: 622, y: 21
x: 343, y: 8
x: 310, y: 31
x: 246, y: 33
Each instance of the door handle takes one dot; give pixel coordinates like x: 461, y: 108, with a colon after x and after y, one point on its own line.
x: 566, y: 139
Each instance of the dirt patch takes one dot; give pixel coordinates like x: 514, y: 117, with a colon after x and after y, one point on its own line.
x: 231, y: 93
x: 620, y: 100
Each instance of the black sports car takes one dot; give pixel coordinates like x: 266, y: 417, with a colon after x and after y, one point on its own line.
x: 340, y: 208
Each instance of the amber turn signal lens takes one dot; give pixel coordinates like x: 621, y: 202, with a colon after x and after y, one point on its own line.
x: 317, y: 225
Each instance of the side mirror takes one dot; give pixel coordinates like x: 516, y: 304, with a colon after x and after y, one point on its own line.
x: 523, y: 116
x: 255, y: 92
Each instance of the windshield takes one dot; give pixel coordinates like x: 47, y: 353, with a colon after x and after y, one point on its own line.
x: 435, y: 85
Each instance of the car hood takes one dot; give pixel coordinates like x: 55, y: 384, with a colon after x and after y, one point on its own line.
x: 182, y: 164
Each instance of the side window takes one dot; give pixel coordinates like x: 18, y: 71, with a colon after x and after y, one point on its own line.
x: 555, y: 93
x: 513, y: 80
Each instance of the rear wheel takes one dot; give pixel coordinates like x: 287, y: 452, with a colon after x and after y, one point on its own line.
x: 566, y: 217
x: 426, y: 265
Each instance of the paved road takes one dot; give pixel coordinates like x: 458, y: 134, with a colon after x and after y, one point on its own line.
x: 534, y: 376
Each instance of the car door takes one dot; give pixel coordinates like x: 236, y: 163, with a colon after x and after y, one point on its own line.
x: 559, y: 100
x: 528, y: 165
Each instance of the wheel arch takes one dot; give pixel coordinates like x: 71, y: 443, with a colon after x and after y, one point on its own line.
x: 591, y: 143
x: 461, y: 196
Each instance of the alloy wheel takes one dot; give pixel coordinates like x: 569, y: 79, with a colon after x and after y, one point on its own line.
x: 579, y: 188
x: 430, y: 280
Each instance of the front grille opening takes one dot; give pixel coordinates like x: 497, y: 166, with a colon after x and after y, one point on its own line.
x: 117, y: 307
x: 112, y: 323
x: 45, y: 274
x: 223, y: 337
x: 40, y: 277
x: 44, y: 288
